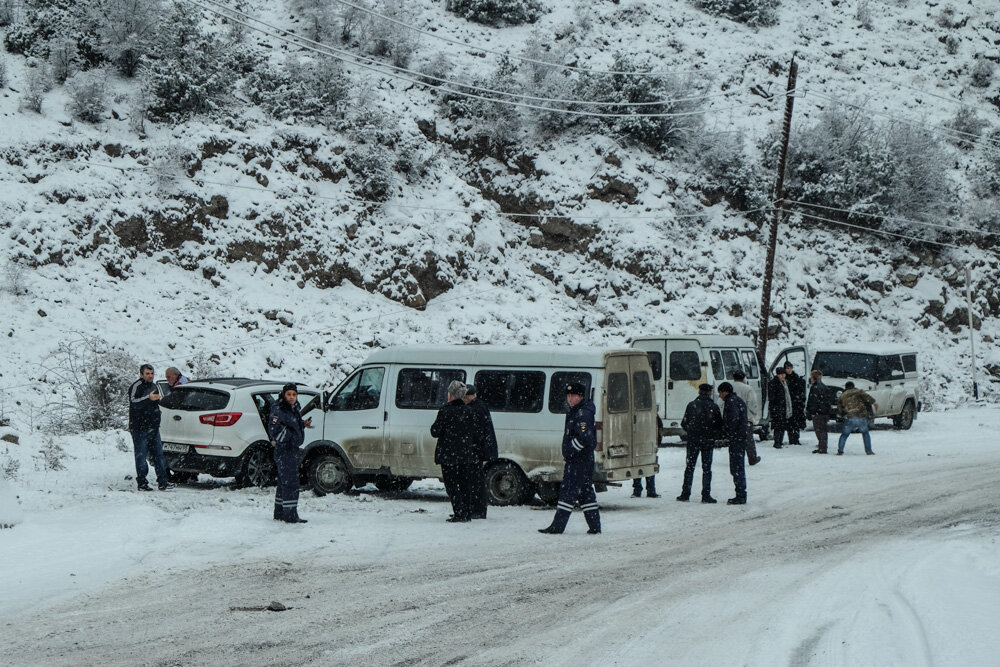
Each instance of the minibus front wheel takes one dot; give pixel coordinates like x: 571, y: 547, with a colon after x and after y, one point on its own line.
x: 507, y: 485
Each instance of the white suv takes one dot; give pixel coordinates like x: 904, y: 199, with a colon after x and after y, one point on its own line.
x: 217, y: 427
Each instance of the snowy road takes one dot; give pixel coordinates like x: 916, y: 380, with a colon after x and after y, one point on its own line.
x: 889, y: 560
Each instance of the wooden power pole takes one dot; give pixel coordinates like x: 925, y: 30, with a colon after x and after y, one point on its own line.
x: 772, y: 239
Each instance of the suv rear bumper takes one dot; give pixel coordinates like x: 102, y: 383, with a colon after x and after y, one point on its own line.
x: 192, y: 461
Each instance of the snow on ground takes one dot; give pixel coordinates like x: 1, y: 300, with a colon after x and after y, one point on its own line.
x: 884, y: 560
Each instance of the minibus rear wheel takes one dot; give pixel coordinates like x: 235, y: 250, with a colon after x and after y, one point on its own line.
x: 507, y: 485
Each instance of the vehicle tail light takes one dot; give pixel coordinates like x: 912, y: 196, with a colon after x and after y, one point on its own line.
x: 599, y: 428
x: 220, y: 418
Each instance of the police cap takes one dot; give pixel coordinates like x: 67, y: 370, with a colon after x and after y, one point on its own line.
x: 575, y: 388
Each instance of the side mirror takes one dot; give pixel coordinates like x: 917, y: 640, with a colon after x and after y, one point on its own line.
x: 326, y: 399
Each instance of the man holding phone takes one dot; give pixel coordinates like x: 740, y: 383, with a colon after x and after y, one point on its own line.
x: 144, y: 425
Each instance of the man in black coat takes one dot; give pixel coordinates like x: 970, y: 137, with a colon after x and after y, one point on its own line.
x: 144, y: 425
x: 486, y: 437
x: 703, y: 424
x: 818, y: 408
x: 457, y: 452
x: 797, y: 389
x: 779, y: 406
x: 734, y: 429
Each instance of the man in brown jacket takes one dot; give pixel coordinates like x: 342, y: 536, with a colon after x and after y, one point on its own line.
x: 853, y: 407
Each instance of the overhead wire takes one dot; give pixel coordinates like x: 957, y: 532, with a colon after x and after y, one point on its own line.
x: 951, y: 228
x: 372, y: 64
x: 915, y: 239
x: 582, y: 70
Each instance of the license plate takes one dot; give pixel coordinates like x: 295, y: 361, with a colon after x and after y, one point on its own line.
x: 618, y: 451
x: 171, y: 447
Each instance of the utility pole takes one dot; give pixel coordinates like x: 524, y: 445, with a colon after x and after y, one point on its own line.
x: 972, y: 332
x: 772, y: 239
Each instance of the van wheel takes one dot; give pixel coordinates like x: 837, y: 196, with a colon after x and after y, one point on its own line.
x: 904, y: 420
x: 329, y: 474
x: 258, y: 467
x: 392, y: 483
x: 507, y: 485
x: 548, y: 492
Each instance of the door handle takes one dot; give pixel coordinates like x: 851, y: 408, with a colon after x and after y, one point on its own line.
x: 177, y: 418
x: 372, y: 428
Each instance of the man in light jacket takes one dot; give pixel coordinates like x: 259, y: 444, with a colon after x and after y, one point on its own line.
x: 752, y: 399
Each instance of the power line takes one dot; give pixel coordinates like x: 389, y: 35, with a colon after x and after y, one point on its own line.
x: 582, y: 70
x: 402, y: 205
x: 869, y: 229
x: 894, y: 218
x: 376, y: 66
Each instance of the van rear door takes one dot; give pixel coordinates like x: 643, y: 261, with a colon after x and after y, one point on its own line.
x: 617, y: 404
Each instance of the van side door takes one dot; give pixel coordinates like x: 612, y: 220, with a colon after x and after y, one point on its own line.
x: 419, y: 394
x: 355, y: 417
x: 684, y: 372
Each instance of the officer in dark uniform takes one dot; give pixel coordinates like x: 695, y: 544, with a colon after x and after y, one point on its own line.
x: 287, y: 432
x: 734, y: 429
x: 487, y: 439
x: 579, y: 441
x: 457, y: 452
x: 703, y: 424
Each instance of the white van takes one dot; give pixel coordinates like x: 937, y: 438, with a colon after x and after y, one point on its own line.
x: 376, y: 426
x: 890, y: 373
x: 681, y: 363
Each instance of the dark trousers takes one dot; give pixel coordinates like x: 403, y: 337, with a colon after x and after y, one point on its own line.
x: 737, y: 450
x: 650, y: 486
x: 146, y: 443
x: 751, y: 446
x: 459, y: 483
x: 577, y: 487
x: 779, y: 435
x: 819, y: 426
x: 286, y: 493
x: 481, y: 498
x: 706, y: 452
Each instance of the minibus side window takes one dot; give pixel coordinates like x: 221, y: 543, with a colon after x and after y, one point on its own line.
x: 618, y: 392
x: 685, y: 366
x: 425, y: 388
x: 557, y: 389
x: 717, y: 370
x: 642, y: 391
x: 511, y: 391
x: 656, y: 364
x: 750, y: 364
x: 910, y: 363
x: 732, y: 362
x: 362, y: 392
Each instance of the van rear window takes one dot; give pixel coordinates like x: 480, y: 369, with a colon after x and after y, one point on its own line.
x: 656, y: 363
x: 195, y: 399
x: 642, y: 391
x: 846, y: 365
x: 557, y: 389
x: 425, y: 388
x: 618, y: 392
x: 511, y: 391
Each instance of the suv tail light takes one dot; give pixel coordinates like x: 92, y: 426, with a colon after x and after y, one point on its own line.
x: 599, y: 427
x: 220, y: 418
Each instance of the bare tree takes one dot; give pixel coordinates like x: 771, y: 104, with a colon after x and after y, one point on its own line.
x: 126, y: 29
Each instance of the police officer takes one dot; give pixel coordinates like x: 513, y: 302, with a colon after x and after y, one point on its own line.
x: 457, y: 452
x: 734, y: 429
x: 287, y: 431
x: 486, y: 436
x: 703, y: 424
x: 579, y: 441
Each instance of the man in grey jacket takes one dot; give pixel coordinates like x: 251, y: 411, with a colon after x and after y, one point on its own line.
x: 752, y: 399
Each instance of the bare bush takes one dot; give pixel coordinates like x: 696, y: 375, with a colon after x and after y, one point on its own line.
x: 982, y: 72
x: 497, y: 12
x: 387, y: 38
x: 36, y: 84
x: 15, y: 275
x: 88, y: 99
x: 64, y: 59
x: 968, y: 126
x: 126, y: 29
x: 946, y: 19
x: 318, y: 16
x: 436, y: 70
x: 8, y: 14
x: 497, y: 123
x: 951, y: 44
x: 729, y: 168
x: 300, y: 89
x: 10, y: 466
x: 863, y: 14
x: 985, y: 174
x: 93, y: 377
x: 372, y: 166
x: 754, y: 13
x: 3, y: 70
x: 52, y: 455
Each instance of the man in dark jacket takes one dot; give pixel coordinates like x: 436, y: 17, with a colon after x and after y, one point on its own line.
x: 703, y: 424
x: 286, y: 429
x: 486, y: 437
x: 779, y: 406
x: 797, y: 390
x: 734, y: 430
x: 818, y: 408
x: 579, y: 442
x: 457, y: 452
x: 144, y: 425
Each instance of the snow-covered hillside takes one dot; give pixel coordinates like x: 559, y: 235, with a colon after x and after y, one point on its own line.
x: 237, y: 243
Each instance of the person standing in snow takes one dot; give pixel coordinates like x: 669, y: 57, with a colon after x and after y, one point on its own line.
x: 457, y: 452
x: 734, y: 429
x: 174, y: 377
x: 853, y: 407
x: 797, y: 390
x: 779, y: 406
x: 286, y: 429
x: 578, y: 445
x: 486, y: 436
x: 752, y: 399
x: 703, y: 424
x: 818, y: 408
x: 144, y: 425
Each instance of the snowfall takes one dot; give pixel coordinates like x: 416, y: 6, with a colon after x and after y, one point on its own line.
x: 892, y: 559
